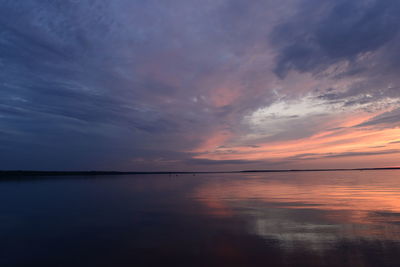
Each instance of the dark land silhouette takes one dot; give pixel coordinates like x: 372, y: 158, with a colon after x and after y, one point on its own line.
x: 96, y: 173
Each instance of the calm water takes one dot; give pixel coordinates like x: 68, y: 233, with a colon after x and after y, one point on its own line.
x: 264, y: 219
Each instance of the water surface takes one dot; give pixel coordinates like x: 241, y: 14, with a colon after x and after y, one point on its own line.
x: 349, y: 218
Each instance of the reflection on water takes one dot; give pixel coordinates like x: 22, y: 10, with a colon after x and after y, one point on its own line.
x: 315, y: 209
x: 255, y: 219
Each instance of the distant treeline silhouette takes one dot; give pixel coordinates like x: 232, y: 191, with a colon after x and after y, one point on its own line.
x: 93, y: 173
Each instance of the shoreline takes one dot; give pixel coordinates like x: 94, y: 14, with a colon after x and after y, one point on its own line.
x: 98, y: 173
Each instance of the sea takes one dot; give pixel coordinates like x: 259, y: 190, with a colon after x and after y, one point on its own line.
x: 329, y: 218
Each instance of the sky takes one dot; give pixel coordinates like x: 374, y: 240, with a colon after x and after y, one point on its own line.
x: 195, y: 85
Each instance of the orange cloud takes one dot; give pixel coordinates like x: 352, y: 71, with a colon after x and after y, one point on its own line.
x: 346, y: 139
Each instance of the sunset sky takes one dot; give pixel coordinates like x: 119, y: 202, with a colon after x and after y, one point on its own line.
x: 148, y: 85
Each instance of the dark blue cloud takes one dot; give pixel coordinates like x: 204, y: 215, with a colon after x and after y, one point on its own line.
x: 86, y: 81
x: 325, y: 32
x: 314, y: 156
x: 224, y: 162
x: 387, y: 119
x: 134, y: 84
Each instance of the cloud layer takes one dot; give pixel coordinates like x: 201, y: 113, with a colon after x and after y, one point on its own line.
x: 198, y: 85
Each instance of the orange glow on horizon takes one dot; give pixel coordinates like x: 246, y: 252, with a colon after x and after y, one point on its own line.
x: 345, y: 138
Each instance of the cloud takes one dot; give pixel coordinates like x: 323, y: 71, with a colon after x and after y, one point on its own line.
x: 97, y: 84
x: 222, y: 162
x: 387, y: 119
x: 312, y: 156
x: 326, y: 32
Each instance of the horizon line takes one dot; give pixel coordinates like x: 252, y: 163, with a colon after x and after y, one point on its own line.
x: 93, y: 172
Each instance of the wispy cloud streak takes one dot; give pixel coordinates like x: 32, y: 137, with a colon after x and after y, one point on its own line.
x: 138, y: 85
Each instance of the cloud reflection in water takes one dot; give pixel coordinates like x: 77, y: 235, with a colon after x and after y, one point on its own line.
x: 316, y: 210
